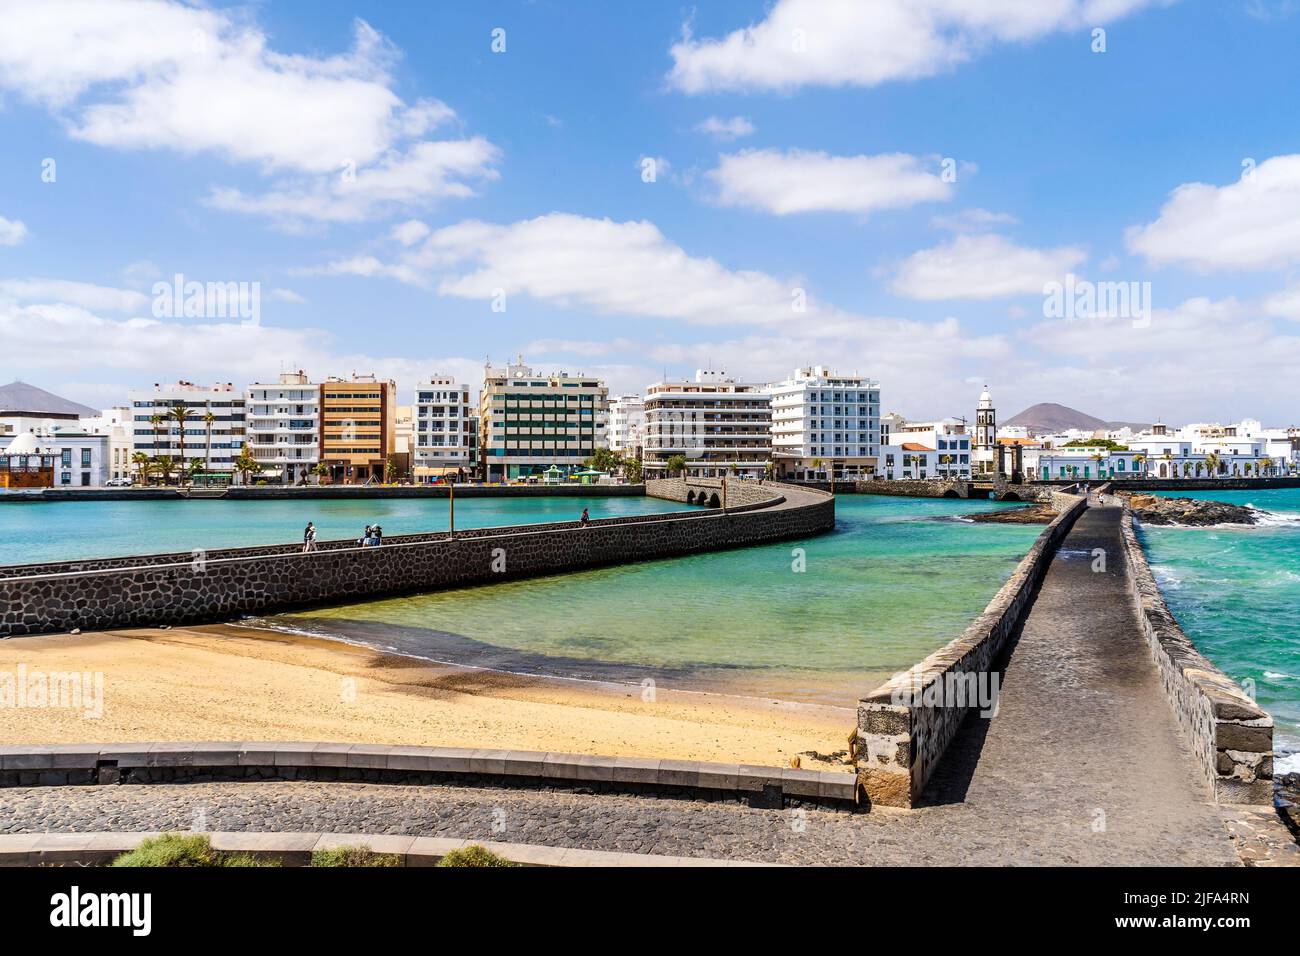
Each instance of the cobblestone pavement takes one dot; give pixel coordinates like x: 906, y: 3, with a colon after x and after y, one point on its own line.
x: 948, y: 835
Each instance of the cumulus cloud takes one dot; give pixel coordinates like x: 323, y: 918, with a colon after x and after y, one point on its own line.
x: 158, y: 74
x: 51, y: 326
x: 725, y: 130
x: 868, y: 42
x: 1253, y: 223
x: 973, y: 220
x: 797, y: 181
x: 982, y: 267
x: 12, y: 231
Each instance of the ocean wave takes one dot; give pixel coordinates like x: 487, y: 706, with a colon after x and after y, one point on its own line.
x: 1286, y: 763
x: 1275, y: 675
x: 1275, y: 519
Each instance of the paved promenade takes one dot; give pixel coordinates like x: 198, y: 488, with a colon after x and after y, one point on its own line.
x: 1082, y: 765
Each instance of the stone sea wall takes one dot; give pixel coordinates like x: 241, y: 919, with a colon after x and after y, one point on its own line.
x: 905, y: 725
x: 204, y: 587
x: 1231, y: 736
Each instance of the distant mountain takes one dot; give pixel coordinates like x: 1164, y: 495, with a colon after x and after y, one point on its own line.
x: 1047, y: 417
x: 18, y: 397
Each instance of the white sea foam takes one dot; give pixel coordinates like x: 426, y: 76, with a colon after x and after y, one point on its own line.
x: 1275, y: 675
x: 1288, y: 763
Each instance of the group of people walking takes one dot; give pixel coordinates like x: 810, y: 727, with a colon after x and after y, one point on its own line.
x: 373, y: 537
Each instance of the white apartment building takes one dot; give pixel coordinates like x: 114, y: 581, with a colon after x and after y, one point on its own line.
x: 532, y: 424
x: 446, y: 431
x: 627, y: 425
x: 226, y: 435
x: 720, y: 426
x: 283, y: 422
x: 824, y: 423
x: 917, y: 450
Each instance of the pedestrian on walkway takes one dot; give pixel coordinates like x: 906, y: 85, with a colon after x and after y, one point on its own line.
x: 585, y: 519
x: 309, y: 538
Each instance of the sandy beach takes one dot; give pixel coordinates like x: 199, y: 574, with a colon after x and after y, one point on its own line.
x: 227, y: 683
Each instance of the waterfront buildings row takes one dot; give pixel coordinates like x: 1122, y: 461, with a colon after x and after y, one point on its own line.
x: 527, y: 425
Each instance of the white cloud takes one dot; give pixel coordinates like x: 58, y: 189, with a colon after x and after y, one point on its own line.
x: 973, y: 220
x: 47, y: 337
x: 982, y: 267
x: 796, y: 181
x: 286, y: 295
x: 156, y: 74
x: 726, y: 130
x: 1284, y: 304
x: 367, y: 267
x: 410, y: 232
x: 1253, y: 223
x: 425, y: 173
x: 868, y: 42
x: 12, y: 231
x: 81, y: 294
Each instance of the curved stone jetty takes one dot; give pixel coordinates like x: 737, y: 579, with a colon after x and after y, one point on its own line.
x: 222, y: 585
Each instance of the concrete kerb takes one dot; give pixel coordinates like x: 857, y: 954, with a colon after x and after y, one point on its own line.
x: 905, y: 725
x: 181, y: 761
x: 296, y: 849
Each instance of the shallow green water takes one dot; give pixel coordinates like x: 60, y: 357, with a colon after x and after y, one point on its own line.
x: 1236, y: 592
x: 892, y: 583
x: 59, y: 530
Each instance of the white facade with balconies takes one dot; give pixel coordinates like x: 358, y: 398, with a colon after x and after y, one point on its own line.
x: 284, y: 427
x: 825, y: 424
x: 446, y: 431
x: 718, y: 425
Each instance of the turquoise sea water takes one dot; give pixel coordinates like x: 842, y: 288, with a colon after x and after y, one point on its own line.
x: 59, y: 530
x: 897, y: 579
x: 1236, y: 592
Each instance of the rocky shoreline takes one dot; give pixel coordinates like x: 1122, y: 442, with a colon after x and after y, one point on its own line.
x: 1034, y: 514
x: 1190, y: 512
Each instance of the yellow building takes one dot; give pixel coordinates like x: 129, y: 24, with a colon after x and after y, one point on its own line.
x: 358, y: 424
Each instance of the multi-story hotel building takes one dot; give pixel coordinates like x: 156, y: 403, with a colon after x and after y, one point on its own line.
x: 627, y: 425
x: 720, y: 426
x: 446, y: 431
x: 531, y: 424
x: 284, y: 427
x: 358, y: 419
x: 219, y: 444
x: 824, y: 423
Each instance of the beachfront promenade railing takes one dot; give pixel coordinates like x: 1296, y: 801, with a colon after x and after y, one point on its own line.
x: 202, y: 586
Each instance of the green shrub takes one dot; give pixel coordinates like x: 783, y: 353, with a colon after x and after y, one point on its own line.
x: 474, y: 855
x: 184, y: 849
x: 354, y: 856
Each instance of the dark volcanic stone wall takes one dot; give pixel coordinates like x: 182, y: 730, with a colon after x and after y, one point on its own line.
x: 220, y: 587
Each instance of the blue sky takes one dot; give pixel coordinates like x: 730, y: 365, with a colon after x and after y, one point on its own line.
x: 216, y: 141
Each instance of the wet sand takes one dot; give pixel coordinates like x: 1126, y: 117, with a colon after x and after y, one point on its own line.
x: 228, y: 683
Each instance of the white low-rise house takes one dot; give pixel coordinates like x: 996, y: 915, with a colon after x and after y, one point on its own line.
x: 116, y: 424
x: 1205, y: 451
x: 446, y: 431
x: 918, y: 450
x: 825, y: 423
x: 627, y: 425
x: 1088, y: 463
x: 718, y: 425
x: 283, y: 423
x: 37, y: 423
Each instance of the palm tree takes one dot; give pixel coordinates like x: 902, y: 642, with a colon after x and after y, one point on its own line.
x: 164, y: 464
x: 181, y: 414
x: 1187, y: 469
x: 320, y: 470
x: 676, y: 464
x: 208, y: 420
x: 246, y: 464
x: 1212, y: 464
x: 156, y: 421
x: 143, y: 466
x: 1140, y: 461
